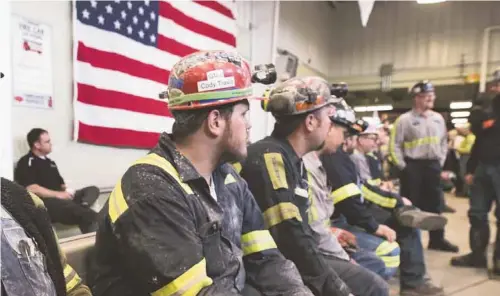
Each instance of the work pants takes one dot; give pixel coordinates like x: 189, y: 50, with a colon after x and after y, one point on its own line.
x: 421, y: 184
x: 484, y: 192
x: 71, y: 211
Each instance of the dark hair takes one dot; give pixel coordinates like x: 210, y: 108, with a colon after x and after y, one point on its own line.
x: 34, y: 135
x: 187, y: 122
x: 286, y: 125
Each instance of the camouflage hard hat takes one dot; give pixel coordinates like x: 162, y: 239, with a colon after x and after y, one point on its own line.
x: 298, y: 95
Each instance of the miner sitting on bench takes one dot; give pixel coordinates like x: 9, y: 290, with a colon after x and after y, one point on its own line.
x: 40, y: 175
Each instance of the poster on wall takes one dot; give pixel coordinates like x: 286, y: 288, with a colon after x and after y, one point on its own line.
x: 31, y: 64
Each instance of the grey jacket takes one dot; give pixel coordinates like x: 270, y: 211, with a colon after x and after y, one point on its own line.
x: 418, y: 136
x: 321, y: 208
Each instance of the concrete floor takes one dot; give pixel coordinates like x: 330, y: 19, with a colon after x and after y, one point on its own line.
x: 456, y: 281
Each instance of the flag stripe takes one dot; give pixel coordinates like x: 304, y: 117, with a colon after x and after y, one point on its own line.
x: 174, y: 46
x: 117, y: 81
x: 112, y: 99
x: 116, y: 137
x: 169, y: 12
x: 124, y: 52
x: 108, y: 117
x: 113, y: 61
x: 170, y: 29
x: 216, y: 6
x: 106, y: 41
x: 206, y: 15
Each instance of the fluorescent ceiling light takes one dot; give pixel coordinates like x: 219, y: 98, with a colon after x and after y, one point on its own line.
x: 429, y: 1
x: 460, y: 114
x: 373, y: 108
x: 460, y: 105
x: 459, y: 120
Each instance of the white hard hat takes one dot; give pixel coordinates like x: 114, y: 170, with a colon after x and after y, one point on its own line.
x: 372, y: 129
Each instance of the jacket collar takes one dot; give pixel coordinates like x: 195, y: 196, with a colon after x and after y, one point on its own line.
x: 187, y: 172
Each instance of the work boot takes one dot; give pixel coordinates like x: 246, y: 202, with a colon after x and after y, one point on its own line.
x: 413, y: 217
x: 427, y: 288
x: 478, y: 241
x: 439, y: 243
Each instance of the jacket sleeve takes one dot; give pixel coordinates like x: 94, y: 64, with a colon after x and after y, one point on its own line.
x: 396, y: 144
x: 386, y: 199
x: 157, y: 237
x: 444, y: 145
x: 473, y: 159
x: 346, y: 194
x: 74, y: 284
x: 271, y: 182
x: 262, y: 258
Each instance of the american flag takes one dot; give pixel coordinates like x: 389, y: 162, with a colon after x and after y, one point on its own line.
x: 123, y: 53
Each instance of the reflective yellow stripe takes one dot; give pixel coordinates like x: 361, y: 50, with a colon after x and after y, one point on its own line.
x: 422, y: 141
x: 36, y: 200
x: 156, y: 160
x: 372, y: 155
x: 374, y: 182
x: 229, y: 179
x: 386, y: 202
x: 391, y: 261
x: 117, y: 203
x: 237, y: 167
x: 71, y: 277
x: 313, y: 211
x: 257, y: 241
x: 281, y: 212
x: 386, y: 248
x: 189, y: 283
x: 392, y: 143
x: 276, y: 169
x: 345, y: 192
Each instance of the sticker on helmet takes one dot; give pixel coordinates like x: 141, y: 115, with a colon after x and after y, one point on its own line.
x: 216, y: 80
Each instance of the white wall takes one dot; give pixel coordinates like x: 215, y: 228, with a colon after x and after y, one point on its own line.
x: 306, y: 31
x: 422, y: 41
x: 83, y: 164
x: 5, y: 93
x: 80, y: 164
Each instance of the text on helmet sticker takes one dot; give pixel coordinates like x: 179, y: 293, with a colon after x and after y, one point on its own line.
x: 216, y: 80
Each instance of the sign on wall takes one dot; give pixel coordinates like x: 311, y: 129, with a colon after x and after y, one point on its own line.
x: 31, y: 64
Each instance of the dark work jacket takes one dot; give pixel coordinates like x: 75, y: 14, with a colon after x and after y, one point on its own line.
x: 162, y: 233
x: 278, y: 180
x: 350, y: 194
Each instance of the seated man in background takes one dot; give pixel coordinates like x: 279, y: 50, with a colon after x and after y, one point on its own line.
x: 333, y: 242
x: 32, y: 261
x: 39, y: 174
x: 364, y: 205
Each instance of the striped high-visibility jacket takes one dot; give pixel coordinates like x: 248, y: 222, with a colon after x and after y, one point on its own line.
x: 165, y: 231
x: 277, y: 178
x: 350, y: 194
x: 418, y: 136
